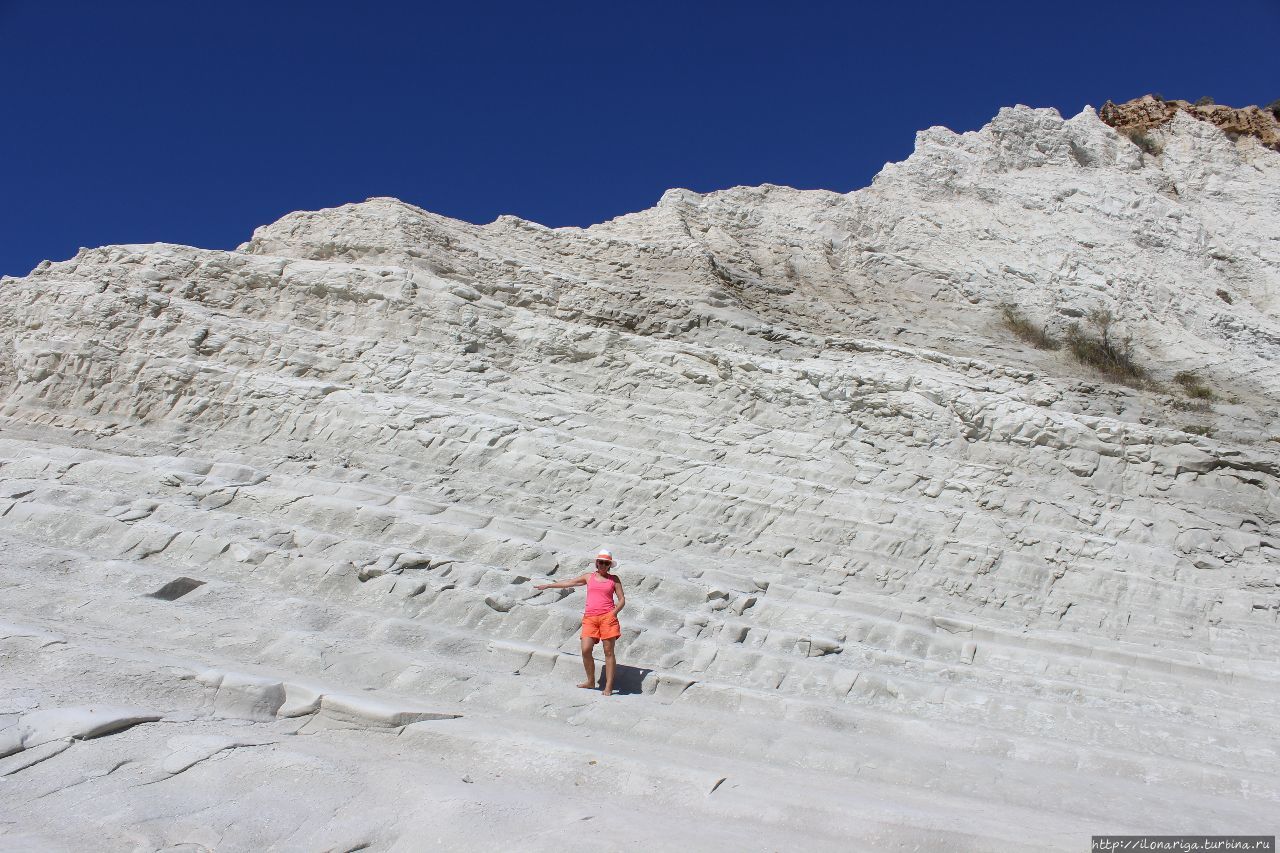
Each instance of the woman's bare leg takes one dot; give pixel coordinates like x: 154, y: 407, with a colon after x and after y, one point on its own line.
x: 589, y: 661
x: 608, y: 667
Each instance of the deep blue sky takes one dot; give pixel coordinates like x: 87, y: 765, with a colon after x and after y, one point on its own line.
x: 194, y: 122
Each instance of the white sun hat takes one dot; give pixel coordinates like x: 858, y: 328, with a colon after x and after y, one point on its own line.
x: 605, y: 554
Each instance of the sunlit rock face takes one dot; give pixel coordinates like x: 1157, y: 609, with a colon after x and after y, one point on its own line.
x: 895, y: 579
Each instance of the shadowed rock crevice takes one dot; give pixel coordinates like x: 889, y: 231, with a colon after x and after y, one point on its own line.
x: 176, y: 588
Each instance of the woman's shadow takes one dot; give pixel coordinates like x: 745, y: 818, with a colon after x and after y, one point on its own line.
x: 627, y: 680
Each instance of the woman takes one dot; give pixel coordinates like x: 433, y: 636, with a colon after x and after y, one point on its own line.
x: 600, y: 619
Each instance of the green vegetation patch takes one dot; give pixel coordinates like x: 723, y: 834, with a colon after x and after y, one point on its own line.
x: 1102, y: 351
x: 1194, y: 388
x: 1026, y: 330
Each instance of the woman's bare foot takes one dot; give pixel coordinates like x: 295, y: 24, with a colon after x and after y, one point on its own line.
x: 586, y: 684
x: 608, y: 691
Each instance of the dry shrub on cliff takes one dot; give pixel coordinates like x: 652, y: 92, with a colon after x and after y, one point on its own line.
x: 1102, y: 352
x: 1148, y: 143
x: 1193, y: 386
x: 1274, y: 108
x: 1032, y: 333
x: 1183, y: 405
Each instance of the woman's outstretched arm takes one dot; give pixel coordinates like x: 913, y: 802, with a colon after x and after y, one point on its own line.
x: 579, y: 581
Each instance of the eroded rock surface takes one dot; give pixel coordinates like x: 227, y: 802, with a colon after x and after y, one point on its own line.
x: 895, y: 579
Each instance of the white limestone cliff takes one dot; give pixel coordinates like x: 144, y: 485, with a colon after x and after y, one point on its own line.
x: 895, y: 578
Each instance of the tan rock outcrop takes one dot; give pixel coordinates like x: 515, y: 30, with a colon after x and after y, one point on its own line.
x: 1148, y: 112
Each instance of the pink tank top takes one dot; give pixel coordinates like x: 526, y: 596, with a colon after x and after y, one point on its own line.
x: 599, y: 595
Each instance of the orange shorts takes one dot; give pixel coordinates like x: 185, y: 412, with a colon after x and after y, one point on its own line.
x: 602, y: 627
